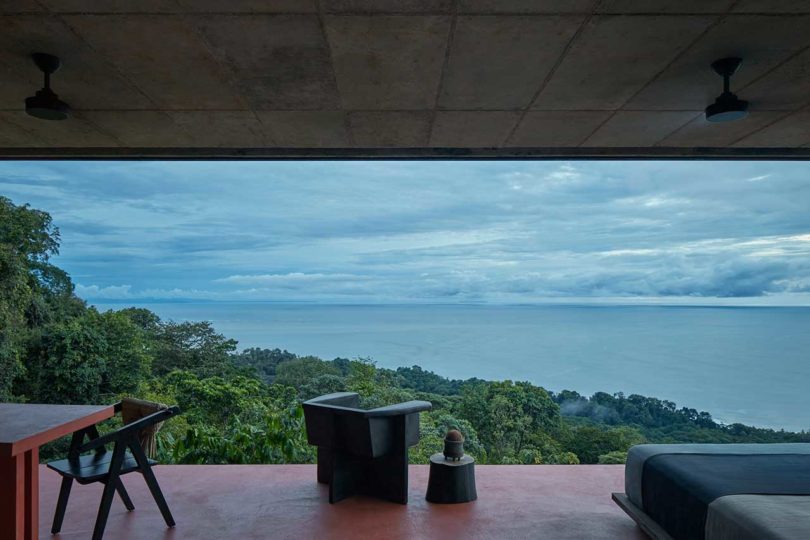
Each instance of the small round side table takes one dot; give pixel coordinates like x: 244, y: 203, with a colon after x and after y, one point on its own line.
x: 451, y: 481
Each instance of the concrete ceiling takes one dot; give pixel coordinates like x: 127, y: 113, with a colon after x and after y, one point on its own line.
x: 406, y: 77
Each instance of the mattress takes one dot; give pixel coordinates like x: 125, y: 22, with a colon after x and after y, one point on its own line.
x: 677, y: 489
x: 701, y: 491
x: 639, y: 454
x: 759, y: 517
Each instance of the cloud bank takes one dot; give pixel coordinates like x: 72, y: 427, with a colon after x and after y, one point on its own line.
x: 497, y: 232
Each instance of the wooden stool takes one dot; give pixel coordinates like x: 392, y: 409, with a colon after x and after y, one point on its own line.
x: 451, y: 481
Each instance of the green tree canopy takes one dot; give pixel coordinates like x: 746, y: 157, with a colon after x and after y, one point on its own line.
x: 32, y: 291
x: 300, y: 371
x: 509, y: 416
x: 192, y: 346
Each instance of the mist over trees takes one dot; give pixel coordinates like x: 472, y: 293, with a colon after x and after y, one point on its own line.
x: 245, y: 407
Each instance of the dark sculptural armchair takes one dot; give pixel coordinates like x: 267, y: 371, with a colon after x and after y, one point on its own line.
x: 363, y: 451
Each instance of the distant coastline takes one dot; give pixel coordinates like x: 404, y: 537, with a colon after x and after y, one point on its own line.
x: 681, y: 353
x: 737, y: 302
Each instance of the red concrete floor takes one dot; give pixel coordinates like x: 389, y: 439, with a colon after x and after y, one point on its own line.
x: 284, y: 501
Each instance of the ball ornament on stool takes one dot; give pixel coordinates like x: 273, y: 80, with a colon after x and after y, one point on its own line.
x: 454, y: 445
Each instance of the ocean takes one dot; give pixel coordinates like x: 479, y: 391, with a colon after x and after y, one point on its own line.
x: 741, y: 364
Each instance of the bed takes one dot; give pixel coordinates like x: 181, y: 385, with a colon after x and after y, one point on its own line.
x: 719, y: 491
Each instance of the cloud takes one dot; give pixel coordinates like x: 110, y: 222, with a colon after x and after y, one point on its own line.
x: 759, y: 178
x: 293, y: 278
x: 427, y: 231
x: 112, y: 292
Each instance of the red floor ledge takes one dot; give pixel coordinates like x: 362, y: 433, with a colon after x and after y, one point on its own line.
x: 284, y: 501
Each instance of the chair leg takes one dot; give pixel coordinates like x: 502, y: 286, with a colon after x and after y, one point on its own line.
x: 389, y: 478
x: 152, y: 483
x: 324, y: 464
x: 61, y: 504
x: 122, y: 492
x: 104, y: 510
x: 109, y: 491
x: 348, y: 476
x: 389, y: 474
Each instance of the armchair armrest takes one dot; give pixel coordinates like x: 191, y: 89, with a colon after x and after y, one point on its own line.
x: 409, y: 407
x: 346, y: 400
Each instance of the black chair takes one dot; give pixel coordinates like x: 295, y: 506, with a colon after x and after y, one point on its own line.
x: 363, y: 451
x: 107, y: 467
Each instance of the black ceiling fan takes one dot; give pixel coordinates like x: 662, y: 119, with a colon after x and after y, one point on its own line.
x: 45, y: 104
x: 727, y: 106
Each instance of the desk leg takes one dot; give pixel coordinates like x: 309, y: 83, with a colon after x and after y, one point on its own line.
x: 32, y: 494
x: 12, y: 498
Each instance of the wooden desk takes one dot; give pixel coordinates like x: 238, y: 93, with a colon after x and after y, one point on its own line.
x: 24, y: 428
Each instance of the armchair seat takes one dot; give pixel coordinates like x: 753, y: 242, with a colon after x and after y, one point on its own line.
x: 363, y: 451
x: 94, y: 467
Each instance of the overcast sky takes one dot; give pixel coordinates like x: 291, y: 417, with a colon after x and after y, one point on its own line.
x: 445, y: 232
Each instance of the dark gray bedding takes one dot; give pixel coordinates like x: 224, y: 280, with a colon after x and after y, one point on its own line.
x: 639, y: 454
x: 677, y: 489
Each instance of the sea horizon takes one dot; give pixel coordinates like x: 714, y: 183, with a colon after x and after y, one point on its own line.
x: 633, y: 302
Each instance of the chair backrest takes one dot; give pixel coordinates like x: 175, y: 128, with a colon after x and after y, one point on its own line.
x: 335, y: 421
x: 129, y: 431
x: 133, y: 409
